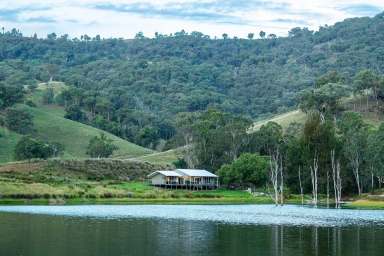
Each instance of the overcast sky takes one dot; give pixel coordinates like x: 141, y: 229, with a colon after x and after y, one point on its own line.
x: 124, y: 18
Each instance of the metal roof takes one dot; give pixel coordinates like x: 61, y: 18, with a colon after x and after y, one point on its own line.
x: 165, y: 173
x: 195, y: 173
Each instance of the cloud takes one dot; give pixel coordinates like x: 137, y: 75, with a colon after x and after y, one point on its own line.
x: 189, y: 12
x: 14, y: 15
x: 124, y: 18
x: 362, y: 9
x: 41, y: 20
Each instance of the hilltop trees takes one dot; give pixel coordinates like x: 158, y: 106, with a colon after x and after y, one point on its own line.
x: 325, y: 97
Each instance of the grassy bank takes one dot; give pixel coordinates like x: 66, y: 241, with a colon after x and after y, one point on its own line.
x: 41, y: 183
x: 365, y: 204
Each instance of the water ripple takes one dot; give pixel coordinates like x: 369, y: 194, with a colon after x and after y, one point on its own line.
x: 232, y: 214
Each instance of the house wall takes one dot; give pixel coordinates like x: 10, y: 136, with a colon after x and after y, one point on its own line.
x: 158, y: 179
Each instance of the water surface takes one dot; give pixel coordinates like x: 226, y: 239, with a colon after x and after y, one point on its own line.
x: 189, y: 230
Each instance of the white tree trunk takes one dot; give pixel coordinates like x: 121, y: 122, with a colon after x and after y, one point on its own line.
x: 314, y: 170
x: 337, y: 186
x: 301, y: 187
x: 274, y: 163
x: 281, y: 182
x: 356, y: 172
x: 327, y: 188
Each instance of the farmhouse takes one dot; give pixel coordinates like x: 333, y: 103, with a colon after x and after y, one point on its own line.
x: 184, y: 179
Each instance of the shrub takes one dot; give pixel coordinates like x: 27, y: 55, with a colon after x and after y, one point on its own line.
x: 18, y: 121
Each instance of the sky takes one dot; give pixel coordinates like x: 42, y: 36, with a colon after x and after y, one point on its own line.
x: 124, y: 18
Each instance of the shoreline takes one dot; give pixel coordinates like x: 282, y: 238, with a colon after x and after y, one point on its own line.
x: 361, y: 204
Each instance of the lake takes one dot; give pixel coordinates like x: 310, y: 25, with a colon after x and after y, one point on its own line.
x: 117, y: 230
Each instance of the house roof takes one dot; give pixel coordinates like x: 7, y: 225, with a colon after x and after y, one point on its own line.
x: 195, y: 173
x: 165, y: 173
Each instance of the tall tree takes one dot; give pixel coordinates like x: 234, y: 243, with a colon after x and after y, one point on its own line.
x: 270, y: 139
x: 354, y: 133
x: 376, y: 154
x: 366, y: 81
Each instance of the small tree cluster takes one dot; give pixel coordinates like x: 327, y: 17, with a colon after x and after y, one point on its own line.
x: 101, y: 146
x: 28, y: 148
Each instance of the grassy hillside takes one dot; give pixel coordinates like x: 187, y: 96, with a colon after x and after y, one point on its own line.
x: 51, y: 126
x: 166, y: 157
x: 350, y: 104
x: 283, y: 119
x: 8, y: 141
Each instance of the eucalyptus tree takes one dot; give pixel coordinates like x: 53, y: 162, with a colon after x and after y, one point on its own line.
x: 185, y: 131
x: 295, y: 158
x: 367, y: 81
x: 319, y: 141
x: 217, y: 138
x: 270, y: 141
x: 376, y: 153
x: 325, y: 99
x: 354, y: 135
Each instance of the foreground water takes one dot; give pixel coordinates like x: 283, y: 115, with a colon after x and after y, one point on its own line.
x: 189, y: 230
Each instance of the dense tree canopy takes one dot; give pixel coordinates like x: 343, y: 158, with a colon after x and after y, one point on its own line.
x: 139, y: 85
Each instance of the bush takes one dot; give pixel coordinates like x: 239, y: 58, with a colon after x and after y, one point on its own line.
x: 101, y: 146
x: 30, y: 103
x: 28, y: 148
x: 248, y: 168
x: 18, y: 121
x: 75, y: 113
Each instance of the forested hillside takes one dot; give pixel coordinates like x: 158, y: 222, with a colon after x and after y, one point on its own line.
x: 134, y: 88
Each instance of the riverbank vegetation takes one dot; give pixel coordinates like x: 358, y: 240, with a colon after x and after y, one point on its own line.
x: 36, y: 182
